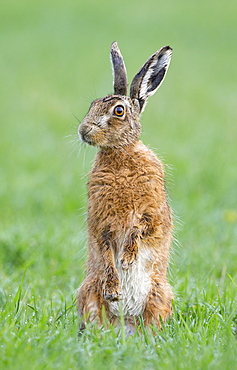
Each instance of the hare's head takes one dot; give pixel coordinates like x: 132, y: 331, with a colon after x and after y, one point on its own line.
x: 113, y: 121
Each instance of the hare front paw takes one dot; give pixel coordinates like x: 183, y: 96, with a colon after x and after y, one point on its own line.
x: 112, y: 291
x: 127, y: 260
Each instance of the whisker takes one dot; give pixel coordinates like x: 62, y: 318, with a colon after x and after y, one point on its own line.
x: 78, y: 120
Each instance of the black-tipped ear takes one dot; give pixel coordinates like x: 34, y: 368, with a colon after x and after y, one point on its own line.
x: 150, y: 76
x: 120, y: 74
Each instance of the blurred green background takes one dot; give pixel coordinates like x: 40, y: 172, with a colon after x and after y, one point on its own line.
x: 54, y: 61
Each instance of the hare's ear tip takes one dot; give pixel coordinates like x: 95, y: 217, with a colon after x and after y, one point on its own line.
x: 168, y: 48
x: 114, y: 45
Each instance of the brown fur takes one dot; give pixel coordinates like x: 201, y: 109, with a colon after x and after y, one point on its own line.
x: 129, y: 220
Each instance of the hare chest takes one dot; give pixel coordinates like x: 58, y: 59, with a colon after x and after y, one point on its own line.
x: 135, y: 283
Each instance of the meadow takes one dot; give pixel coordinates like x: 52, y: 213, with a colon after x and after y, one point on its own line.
x: 54, y: 61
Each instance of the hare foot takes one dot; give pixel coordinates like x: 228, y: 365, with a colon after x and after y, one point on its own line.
x: 127, y: 260
x: 112, y: 291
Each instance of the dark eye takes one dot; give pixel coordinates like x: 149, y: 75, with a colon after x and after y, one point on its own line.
x: 119, y: 110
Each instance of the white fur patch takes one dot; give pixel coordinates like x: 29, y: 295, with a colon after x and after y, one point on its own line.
x: 103, y: 120
x: 135, y: 284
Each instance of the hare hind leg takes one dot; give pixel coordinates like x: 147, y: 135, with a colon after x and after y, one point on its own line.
x: 89, y: 300
x: 159, y: 304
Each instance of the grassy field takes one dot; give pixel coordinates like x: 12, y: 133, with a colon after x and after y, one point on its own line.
x: 54, y: 60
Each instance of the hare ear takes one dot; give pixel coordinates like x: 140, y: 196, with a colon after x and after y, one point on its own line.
x: 150, y: 76
x: 120, y: 74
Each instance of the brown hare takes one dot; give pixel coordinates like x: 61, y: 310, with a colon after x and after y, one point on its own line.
x: 129, y: 219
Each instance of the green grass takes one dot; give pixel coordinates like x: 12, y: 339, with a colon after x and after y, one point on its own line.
x: 54, y: 60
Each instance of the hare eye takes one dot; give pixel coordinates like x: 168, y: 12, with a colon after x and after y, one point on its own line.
x: 119, y: 110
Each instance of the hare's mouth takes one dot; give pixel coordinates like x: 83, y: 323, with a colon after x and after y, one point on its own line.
x: 87, y: 139
x: 89, y: 142
x: 85, y: 135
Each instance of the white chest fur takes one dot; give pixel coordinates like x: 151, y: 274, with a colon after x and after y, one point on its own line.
x: 135, y: 283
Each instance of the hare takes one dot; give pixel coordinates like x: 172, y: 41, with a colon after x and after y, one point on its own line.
x: 129, y: 219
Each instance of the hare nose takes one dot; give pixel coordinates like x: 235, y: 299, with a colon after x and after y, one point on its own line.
x: 84, y: 131
x: 87, y: 130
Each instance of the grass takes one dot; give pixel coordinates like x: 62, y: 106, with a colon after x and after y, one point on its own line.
x: 54, y: 61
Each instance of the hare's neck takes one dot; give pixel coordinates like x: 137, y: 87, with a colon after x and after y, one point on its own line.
x: 118, y: 157
x: 121, y: 152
